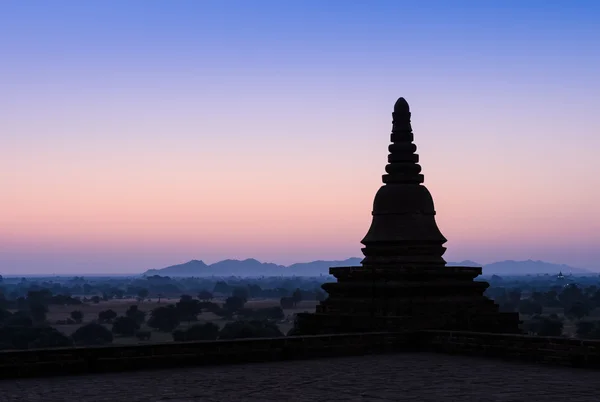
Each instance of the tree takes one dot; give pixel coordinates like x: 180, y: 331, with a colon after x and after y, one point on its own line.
x: 240, y: 292
x: 550, y: 327
x: 188, y: 308
x: 250, y: 329
x: 125, y: 326
x: 19, y: 319
x: 164, y: 318
x: 5, y: 315
x: 198, y: 332
x: 588, y: 329
x: 530, y: 307
x: 107, y: 316
x: 92, y: 334
x: 136, y: 314
x: 297, y: 296
x: 234, y: 303
x: 205, y: 295
x: 143, y: 294
x: 286, y: 302
x: 221, y: 287
x: 77, y: 316
x: 38, y: 311
x: 269, y: 313
x: 48, y: 337
x: 320, y: 295
x: 577, y: 310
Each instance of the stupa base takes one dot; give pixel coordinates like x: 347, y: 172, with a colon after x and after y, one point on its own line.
x: 406, y: 298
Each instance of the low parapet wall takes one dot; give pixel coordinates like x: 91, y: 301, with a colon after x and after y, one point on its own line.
x: 527, y: 348
x: 70, y: 361
x: 80, y: 360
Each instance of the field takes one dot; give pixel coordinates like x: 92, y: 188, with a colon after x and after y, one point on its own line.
x: 90, y: 312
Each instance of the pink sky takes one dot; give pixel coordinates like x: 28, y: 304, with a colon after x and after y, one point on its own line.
x: 117, y: 156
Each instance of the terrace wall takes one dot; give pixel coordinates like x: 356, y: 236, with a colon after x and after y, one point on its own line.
x: 70, y: 361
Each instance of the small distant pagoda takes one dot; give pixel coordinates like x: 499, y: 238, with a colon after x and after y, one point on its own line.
x: 404, y: 282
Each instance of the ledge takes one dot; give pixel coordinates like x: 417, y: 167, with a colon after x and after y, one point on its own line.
x: 85, y: 360
x: 80, y: 360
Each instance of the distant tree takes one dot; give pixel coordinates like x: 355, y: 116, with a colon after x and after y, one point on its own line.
x: 5, y: 315
x: 48, y: 337
x: 297, y: 296
x: 142, y: 294
x: 544, y: 326
x: 92, y: 334
x: 234, y: 303
x: 268, y: 313
x: 188, y: 308
x: 530, y: 307
x: 240, y: 292
x: 77, y: 316
x: 198, y: 332
x: 588, y: 329
x: 107, y: 316
x: 19, y: 319
x: 578, y: 310
x: 320, y: 295
x: 165, y: 318
x: 222, y: 287
x: 87, y: 288
x: 95, y: 299
x: 507, y: 307
x: 143, y: 335
x: 135, y: 314
x: 250, y: 329
x: 570, y: 295
x: 205, y: 295
x: 550, y: 327
x: 125, y: 326
x: 286, y: 302
x: 38, y: 311
x: 514, y: 297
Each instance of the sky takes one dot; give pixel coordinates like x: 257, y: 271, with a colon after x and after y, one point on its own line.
x: 141, y: 134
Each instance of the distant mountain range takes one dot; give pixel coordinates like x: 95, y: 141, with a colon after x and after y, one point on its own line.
x: 252, y: 267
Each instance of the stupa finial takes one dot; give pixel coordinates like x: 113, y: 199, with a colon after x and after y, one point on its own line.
x: 401, y: 106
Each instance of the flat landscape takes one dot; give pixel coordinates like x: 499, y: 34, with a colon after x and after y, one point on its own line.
x: 90, y: 313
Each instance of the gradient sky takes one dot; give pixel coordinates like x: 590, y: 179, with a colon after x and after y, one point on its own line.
x: 140, y: 134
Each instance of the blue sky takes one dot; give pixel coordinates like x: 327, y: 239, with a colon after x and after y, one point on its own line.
x: 130, y: 128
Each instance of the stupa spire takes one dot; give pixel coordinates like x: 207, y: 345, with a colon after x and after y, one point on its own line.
x: 403, y: 164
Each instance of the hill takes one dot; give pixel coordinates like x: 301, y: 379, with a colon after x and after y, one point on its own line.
x: 530, y: 267
x: 252, y: 267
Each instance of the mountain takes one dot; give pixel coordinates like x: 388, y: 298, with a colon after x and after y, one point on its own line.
x: 529, y: 267
x: 252, y: 267
x: 316, y: 268
x: 465, y: 263
x: 189, y: 268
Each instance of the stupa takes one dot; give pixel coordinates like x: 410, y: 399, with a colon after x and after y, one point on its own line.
x: 403, y: 281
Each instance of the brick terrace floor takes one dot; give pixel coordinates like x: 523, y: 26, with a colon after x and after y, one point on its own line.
x: 402, y: 377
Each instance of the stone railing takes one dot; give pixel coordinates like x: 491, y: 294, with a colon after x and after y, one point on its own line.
x: 80, y: 360
x: 528, y: 348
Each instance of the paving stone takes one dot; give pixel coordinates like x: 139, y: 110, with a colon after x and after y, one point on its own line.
x: 405, y: 377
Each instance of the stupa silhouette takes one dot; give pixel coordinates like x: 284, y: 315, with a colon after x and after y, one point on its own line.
x: 404, y: 282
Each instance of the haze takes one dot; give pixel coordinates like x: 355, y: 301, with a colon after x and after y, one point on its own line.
x: 141, y: 134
